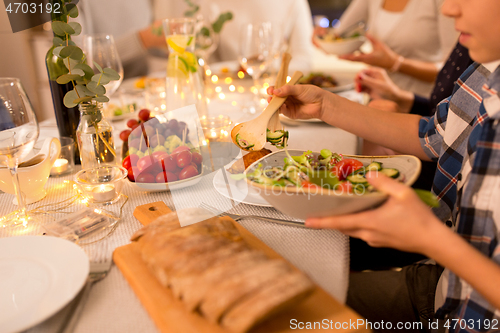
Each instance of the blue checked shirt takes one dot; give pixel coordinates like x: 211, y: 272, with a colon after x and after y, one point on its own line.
x: 464, y: 138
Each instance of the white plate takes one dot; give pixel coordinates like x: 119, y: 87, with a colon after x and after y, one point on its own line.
x: 39, y: 275
x: 232, y: 66
x: 239, y: 189
x: 162, y: 187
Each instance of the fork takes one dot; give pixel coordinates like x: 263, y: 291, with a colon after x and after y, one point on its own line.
x: 98, y: 270
x: 237, y: 217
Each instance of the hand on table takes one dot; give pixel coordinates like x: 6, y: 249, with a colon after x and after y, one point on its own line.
x: 381, y: 56
x: 303, y: 102
x: 403, y: 222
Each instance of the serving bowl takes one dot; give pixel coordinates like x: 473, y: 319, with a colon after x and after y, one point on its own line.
x: 303, y: 203
x: 341, y: 46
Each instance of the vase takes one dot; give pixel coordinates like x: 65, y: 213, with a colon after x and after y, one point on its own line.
x: 67, y: 118
x: 95, y: 137
x: 184, y: 84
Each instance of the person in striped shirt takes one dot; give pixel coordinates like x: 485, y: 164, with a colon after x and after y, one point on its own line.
x: 462, y: 235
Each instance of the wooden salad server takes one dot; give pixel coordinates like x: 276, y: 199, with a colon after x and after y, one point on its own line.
x: 274, y: 123
x: 251, y: 135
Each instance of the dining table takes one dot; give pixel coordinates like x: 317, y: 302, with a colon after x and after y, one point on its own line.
x: 113, y: 306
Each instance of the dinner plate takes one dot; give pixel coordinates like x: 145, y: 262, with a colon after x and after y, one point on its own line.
x: 39, y: 275
x: 237, y: 190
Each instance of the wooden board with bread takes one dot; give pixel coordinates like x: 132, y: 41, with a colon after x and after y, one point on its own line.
x: 215, y: 276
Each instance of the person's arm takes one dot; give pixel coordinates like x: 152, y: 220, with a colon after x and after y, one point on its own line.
x: 300, y: 29
x: 405, y: 223
x: 358, y: 10
x: 382, y: 56
x: 399, y: 132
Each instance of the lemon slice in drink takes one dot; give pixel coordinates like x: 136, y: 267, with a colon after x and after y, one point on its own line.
x: 179, y: 43
x: 176, y: 67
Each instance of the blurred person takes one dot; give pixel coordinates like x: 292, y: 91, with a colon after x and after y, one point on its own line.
x: 410, y: 39
x: 464, y: 138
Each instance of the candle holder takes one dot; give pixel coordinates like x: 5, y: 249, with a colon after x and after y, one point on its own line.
x: 216, y: 128
x: 65, y: 163
x: 101, y: 185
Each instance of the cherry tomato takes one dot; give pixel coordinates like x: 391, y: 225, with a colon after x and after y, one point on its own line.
x: 133, y: 159
x: 345, y: 167
x: 188, y: 172
x: 125, y: 134
x: 130, y: 174
x: 145, y: 177
x: 145, y: 162
x: 127, y: 163
x: 131, y: 123
x: 184, y: 159
x: 180, y: 149
x: 165, y: 177
x: 197, y: 158
x: 169, y: 164
x: 144, y: 114
x: 159, y: 155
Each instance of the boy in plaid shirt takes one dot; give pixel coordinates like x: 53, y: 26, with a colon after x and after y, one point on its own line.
x: 464, y: 138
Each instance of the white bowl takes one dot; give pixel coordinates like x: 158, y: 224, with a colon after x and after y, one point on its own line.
x: 303, y: 203
x: 341, y: 46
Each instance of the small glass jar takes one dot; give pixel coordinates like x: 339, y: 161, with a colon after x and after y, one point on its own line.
x: 95, y: 137
x: 101, y: 185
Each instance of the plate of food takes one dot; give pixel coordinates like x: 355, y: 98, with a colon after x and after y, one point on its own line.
x: 229, y: 181
x: 305, y: 184
x: 159, y: 155
x: 39, y: 275
x: 335, y: 83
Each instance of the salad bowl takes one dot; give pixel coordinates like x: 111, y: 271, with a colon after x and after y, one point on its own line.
x: 316, y: 201
x: 341, y: 46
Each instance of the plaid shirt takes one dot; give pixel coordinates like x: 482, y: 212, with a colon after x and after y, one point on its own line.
x: 464, y: 138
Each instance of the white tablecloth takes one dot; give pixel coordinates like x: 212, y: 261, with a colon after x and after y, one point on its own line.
x: 113, y: 306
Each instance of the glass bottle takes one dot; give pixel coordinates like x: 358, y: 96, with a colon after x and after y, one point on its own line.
x: 184, y: 85
x: 67, y: 118
x: 95, y: 137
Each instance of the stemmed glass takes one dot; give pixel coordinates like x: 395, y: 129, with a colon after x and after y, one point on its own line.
x: 18, y: 133
x: 255, y: 51
x: 101, y: 49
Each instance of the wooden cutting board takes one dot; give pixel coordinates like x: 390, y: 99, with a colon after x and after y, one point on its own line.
x: 169, y: 313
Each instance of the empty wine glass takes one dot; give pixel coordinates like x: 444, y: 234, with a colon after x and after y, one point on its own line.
x: 255, y: 52
x: 101, y: 49
x: 18, y: 133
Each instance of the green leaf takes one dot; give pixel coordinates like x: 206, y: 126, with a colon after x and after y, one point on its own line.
x: 83, y: 99
x: 111, y: 74
x: 77, y: 72
x: 73, y: 52
x: 205, y: 32
x: 89, y: 72
x: 57, y: 50
x: 83, y: 90
x: 223, y: 18
x: 95, y: 88
x: 61, y: 28
x: 102, y: 99
x: 72, y: 63
x: 70, y: 42
x: 57, y: 41
x: 99, y: 68
x: 67, y: 78
x: 72, y: 10
x: 69, y: 99
x: 77, y: 27
x: 428, y: 198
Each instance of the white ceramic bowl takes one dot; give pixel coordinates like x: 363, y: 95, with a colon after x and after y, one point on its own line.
x: 342, y: 46
x: 303, y: 203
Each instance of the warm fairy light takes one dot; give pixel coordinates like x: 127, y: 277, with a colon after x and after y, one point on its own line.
x: 218, y: 89
x: 215, y: 78
x: 241, y: 89
x: 265, y: 85
x: 222, y: 96
x: 254, y: 90
x: 232, y: 88
x: 233, y: 103
x: 288, y: 78
x: 228, y: 80
x: 199, y: 96
x: 163, y: 94
x: 208, y: 72
x: 241, y: 74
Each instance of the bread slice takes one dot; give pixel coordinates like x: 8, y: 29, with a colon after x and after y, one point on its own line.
x: 233, y: 289
x: 274, y: 297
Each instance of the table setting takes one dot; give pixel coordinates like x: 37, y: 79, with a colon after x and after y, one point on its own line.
x: 83, y: 197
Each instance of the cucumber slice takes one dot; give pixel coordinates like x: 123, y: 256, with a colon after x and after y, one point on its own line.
x: 374, y: 166
x: 243, y: 144
x: 275, y: 136
x: 357, y: 179
x: 393, y: 173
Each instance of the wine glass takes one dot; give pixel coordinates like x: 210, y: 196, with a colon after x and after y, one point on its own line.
x: 255, y: 52
x: 18, y: 133
x: 101, y: 49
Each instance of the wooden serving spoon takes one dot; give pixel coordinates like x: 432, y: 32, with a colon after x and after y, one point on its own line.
x: 274, y: 123
x: 252, y: 134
